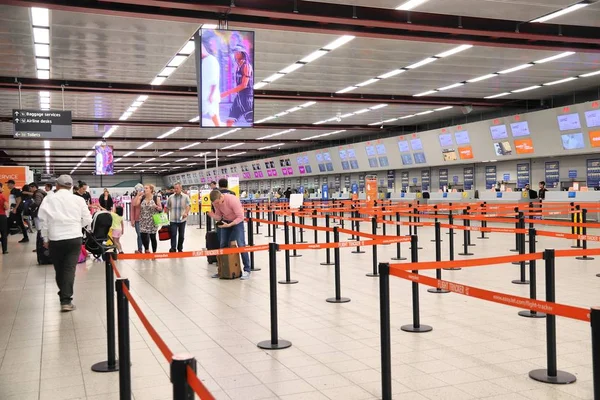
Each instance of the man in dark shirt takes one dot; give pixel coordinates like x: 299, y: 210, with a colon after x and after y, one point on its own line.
x: 82, y: 192
x: 542, y: 191
x: 223, y: 185
x: 16, y: 213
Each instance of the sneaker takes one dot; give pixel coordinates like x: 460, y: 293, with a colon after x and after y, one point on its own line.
x: 245, y: 276
x: 214, y: 276
x: 24, y: 240
x: 67, y: 307
x: 172, y: 251
x: 137, y: 252
x: 5, y: 252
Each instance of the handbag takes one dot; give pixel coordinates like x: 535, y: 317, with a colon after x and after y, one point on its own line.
x: 160, y: 219
x: 164, y: 233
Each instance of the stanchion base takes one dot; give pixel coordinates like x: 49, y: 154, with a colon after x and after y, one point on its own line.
x: 441, y: 291
x: 419, y: 248
x: 357, y: 252
x: 302, y: 242
x: 514, y: 250
x: 268, y: 345
x: 465, y: 254
x: 270, y: 236
x: 584, y: 258
x: 519, y: 282
x: 414, y: 329
x: 103, y: 367
x: 598, y: 275
x: 451, y: 269
x: 292, y: 282
x: 255, y: 269
x: 372, y: 275
x: 327, y: 263
x: 295, y: 256
x: 448, y: 233
x: 340, y: 300
x: 531, y: 314
x: 398, y: 258
x: 472, y: 244
x: 519, y: 263
x: 483, y: 238
x: 576, y: 247
x: 433, y: 240
x: 561, y: 378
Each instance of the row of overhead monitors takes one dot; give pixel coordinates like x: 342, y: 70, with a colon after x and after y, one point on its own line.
x: 549, y: 133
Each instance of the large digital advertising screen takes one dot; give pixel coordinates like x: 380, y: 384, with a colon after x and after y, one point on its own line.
x: 104, y: 160
x: 226, y: 78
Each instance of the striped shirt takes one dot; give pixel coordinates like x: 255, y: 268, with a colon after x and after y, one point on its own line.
x: 177, y: 205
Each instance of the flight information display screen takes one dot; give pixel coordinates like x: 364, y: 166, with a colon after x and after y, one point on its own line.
x: 327, y: 156
x: 520, y: 129
x: 403, y: 146
x: 407, y: 159
x: 573, y: 141
x: 568, y: 122
x: 462, y: 137
x: 416, y: 144
x: 351, y: 153
x: 446, y: 139
x: 499, y: 132
x: 380, y: 149
x: 370, y: 151
x: 420, y: 158
x: 592, y: 118
x: 343, y: 155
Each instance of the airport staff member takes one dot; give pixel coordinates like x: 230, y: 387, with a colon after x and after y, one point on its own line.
x: 229, y: 211
x: 4, y: 207
x: 178, y: 207
x: 62, y: 216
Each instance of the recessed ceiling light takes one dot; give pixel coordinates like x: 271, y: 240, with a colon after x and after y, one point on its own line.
x: 167, y: 71
x: 410, y: 4
x: 41, y: 35
x: 425, y: 93
x: 455, y: 50
x: 497, y: 95
x: 517, y: 68
x: 342, y: 40
x: 391, y: 73
x: 559, y: 13
x: 188, y: 48
x: 482, y: 78
x: 42, y: 50
x: 451, y: 86
x: 158, y: 81
x: 526, y: 89
x: 421, y: 63
x: 560, y: 81
x: 177, y: 61
x: 555, y: 57
x: 40, y: 16
x: 313, y: 56
x: 43, y: 74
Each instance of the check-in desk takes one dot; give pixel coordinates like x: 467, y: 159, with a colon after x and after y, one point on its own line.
x: 452, y: 197
x: 406, y: 198
x: 576, y: 198
x: 503, y: 197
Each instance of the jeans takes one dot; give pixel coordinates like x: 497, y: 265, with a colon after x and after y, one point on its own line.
x: 177, y: 235
x: 64, y: 255
x: 139, y: 236
x: 18, y: 217
x: 147, y: 238
x: 4, y: 232
x: 235, y: 233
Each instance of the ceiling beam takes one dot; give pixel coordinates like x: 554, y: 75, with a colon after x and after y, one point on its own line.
x: 319, y: 17
x: 142, y: 139
x: 12, y: 83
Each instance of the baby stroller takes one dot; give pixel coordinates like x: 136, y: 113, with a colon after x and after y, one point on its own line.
x: 95, y: 240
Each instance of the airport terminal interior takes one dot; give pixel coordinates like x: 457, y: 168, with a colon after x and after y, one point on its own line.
x: 419, y: 182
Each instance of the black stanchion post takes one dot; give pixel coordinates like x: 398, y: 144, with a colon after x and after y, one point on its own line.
x: 314, y: 222
x: 384, y: 334
x: 357, y: 225
x: 551, y: 374
x: 383, y: 221
x: 416, y: 325
x: 294, y: 253
x: 338, y: 285
x: 595, y: 322
x: 124, y: 342
x: 251, y: 243
x: 269, y: 234
x: 110, y: 365
x: 398, y: 250
x: 327, y: 240
x: 451, y: 241
x: 208, y: 223
x: 584, y: 233
x: 517, y: 226
x: 522, y: 280
x: 465, y: 237
x: 575, y: 230
x: 435, y: 220
x: 275, y: 343
x: 450, y: 213
x: 274, y: 219
x: 416, y: 219
x: 468, y: 221
x: 375, y: 273
x: 302, y: 222
x: 483, y: 222
x: 438, y: 258
x: 532, y: 279
x: 257, y: 219
x: 410, y: 220
x: 288, y: 273
x: 181, y: 389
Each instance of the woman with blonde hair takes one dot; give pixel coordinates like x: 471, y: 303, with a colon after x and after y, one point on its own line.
x: 149, y: 205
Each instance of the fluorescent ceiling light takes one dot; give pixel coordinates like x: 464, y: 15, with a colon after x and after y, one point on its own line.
x: 169, y: 133
x: 291, y: 68
x: 210, y: 26
x: 482, y: 78
x: 190, y: 164
x: 125, y: 116
x: 455, y: 50
x: 346, y: 115
x: 231, y: 146
x: 276, y: 134
x: 45, y: 94
x: 40, y: 16
x: 45, y: 108
x: 407, y: 116
x: 158, y: 81
x: 391, y: 73
x: 342, y: 40
x: 45, y: 101
x: 195, y: 119
x: 308, y: 104
x: 367, y: 82
x: 526, y: 89
x: 167, y: 71
x: 348, y: 89
x: 517, y: 68
x: 181, y: 159
x: 560, y: 81
x: 376, y: 123
x: 281, y: 114
x: 410, y: 4
x: 132, y: 109
x: 118, y: 159
x: 451, y: 86
x: 390, y: 120
x: 189, y: 146
x: 47, y: 152
x: 443, y: 108
x: 177, y: 61
x: 142, y: 98
x: 313, y: 56
x: 559, y: 13
x: 224, y: 133
x: 41, y: 35
x: 555, y: 57
x: 42, y: 50
x: 46, y: 144
x: 128, y: 154
x: 150, y: 159
x: 43, y: 74
x: 237, y: 154
x: 377, y: 107
x: 273, y: 77
x: 147, y: 144
x: 590, y: 74
x: 421, y: 63
x: 497, y: 95
x: 425, y: 112
x: 260, y: 85
x: 271, y: 146
x: 425, y: 93
x: 319, y: 122
x: 137, y: 104
x: 162, y: 165
x: 135, y: 165
x: 188, y: 48
x: 264, y: 120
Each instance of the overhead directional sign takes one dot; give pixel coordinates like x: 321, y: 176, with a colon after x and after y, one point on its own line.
x: 40, y: 124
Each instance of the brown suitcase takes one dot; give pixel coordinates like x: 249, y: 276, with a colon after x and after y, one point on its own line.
x: 229, y: 265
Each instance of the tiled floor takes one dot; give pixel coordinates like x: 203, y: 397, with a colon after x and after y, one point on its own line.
x: 477, y: 350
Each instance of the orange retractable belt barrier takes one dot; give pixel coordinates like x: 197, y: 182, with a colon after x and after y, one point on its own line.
x: 476, y: 262
x: 197, y: 253
x: 514, y: 301
x: 349, y: 243
x: 197, y: 386
x: 591, y: 238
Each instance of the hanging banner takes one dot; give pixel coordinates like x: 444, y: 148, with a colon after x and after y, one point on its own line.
x: 443, y: 178
x: 523, y: 175
x: 195, y: 206
x: 490, y: 177
x: 391, y: 179
x: 593, y: 173
x: 404, y: 179
x: 425, y: 180
x: 325, y: 192
x: 234, y: 185
x: 371, y: 183
x: 552, y: 174
x: 205, y: 203
x: 468, y: 177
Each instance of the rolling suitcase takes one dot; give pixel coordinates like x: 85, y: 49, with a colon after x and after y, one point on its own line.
x: 229, y: 265
x: 43, y: 254
x: 212, y: 243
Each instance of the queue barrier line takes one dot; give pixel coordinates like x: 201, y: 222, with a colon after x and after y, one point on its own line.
x: 526, y: 303
x: 569, y: 224
x: 197, y: 253
x: 197, y: 386
x: 560, y: 235
x: 349, y: 243
x: 467, y: 263
x: 484, y: 229
x: 577, y: 252
x: 311, y: 227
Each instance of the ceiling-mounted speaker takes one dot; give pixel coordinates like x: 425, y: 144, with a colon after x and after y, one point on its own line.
x: 466, y: 109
